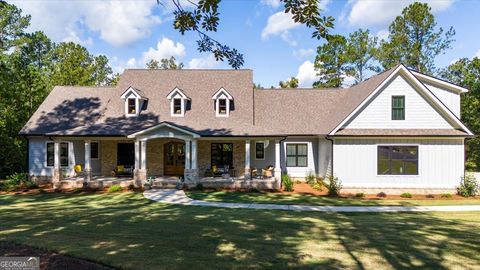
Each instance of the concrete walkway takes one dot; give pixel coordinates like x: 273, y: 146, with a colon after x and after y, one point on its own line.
x: 174, y: 196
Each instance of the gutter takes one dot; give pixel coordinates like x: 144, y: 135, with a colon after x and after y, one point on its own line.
x: 327, y: 137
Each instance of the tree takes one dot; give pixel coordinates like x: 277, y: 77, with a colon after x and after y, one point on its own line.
x: 466, y: 73
x: 205, y: 18
x: 164, y: 64
x: 361, y: 50
x: 292, y: 83
x: 12, y: 25
x: 331, y: 62
x: 414, y: 40
x: 74, y: 65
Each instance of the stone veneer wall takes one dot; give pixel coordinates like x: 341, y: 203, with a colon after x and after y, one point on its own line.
x: 204, y: 156
x: 108, y: 157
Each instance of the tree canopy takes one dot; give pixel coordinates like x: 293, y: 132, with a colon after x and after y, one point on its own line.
x: 164, y: 63
x: 291, y: 83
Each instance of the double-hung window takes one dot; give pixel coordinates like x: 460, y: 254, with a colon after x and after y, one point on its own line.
x: 398, y: 107
x: 297, y: 155
x: 259, y: 150
x: 222, y: 154
x: 51, y: 154
x: 94, y: 150
x: 397, y: 160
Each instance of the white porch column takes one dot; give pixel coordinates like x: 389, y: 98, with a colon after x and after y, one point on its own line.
x: 56, y: 162
x: 194, y: 150
x: 278, y: 167
x: 137, y: 155
x: 187, y: 155
x: 143, y: 153
x: 88, y: 168
x: 247, y: 159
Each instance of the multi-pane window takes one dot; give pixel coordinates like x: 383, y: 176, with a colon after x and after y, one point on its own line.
x: 177, y: 106
x: 132, y: 107
x: 94, y: 150
x: 297, y: 155
x: 222, y: 154
x: 51, y: 154
x: 397, y: 160
x: 398, y: 107
x: 259, y: 150
x: 222, y: 106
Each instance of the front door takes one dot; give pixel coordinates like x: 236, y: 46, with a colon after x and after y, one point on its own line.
x: 174, y: 158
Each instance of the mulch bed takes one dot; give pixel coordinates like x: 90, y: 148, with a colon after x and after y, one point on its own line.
x: 48, y: 259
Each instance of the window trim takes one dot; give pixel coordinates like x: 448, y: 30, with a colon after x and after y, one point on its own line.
x: 98, y: 150
x: 398, y: 145
x: 296, y: 155
x: 392, y: 108
x: 263, y: 150
x: 60, y: 159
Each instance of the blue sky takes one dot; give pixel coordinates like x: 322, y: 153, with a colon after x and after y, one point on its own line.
x: 131, y: 32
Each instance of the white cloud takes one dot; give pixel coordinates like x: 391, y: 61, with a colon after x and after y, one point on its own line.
x: 73, y: 37
x: 306, y: 74
x: 272, y: 3
x: 117, y: 22
x: 323, y: 4
x: 477, y: 54
x: 202, y: 62
x: 365, y: 13
x: 279, y: 24
x: 166, y: 48
x: 302, y: 53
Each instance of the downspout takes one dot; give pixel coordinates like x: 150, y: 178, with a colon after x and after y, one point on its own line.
x: 333, y: 142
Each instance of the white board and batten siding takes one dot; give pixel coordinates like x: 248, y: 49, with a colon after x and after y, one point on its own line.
x: 419, y: 113
x: 449, y: 98
x: 440, y: 163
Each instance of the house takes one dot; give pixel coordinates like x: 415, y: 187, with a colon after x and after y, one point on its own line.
x: 395, y: 132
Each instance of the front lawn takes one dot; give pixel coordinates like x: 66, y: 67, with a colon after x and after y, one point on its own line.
x: 309, y: 199
x: 127, y: 231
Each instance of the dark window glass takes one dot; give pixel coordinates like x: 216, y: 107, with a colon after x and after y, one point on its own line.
x: 297, y: 155
x: 131, y: 106
x: 177, y: 106
x: 222, y: 106
x: 259, y: 150
x: 397, y: 160
x: 50, y: 154
x: 398, y: 108
x: 222, y: 154
x: 64, y: 154
x: 94, y: 150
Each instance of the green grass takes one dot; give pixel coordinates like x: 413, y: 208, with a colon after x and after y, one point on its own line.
x: 307, y: 199
x: 127, y: 231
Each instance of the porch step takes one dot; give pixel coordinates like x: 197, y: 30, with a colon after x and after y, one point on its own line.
x: 165, y: 183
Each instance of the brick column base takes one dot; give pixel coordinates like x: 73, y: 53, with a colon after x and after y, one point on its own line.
x: 247, y: 174
x: 139, y: 177
x: 278, y: 179
x: 57, y: 175
x: 191, y: 176
x: 88, y: 176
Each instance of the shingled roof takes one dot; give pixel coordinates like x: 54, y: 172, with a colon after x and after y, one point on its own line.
x: 99, y: 111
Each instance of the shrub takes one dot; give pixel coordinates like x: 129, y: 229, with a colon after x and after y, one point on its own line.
x: 382, y: 195
x: 114, y: 188
x: 199, y: 186
x: 468, y: 186
x: 334, y: 186
x: 430, y: 196
x: 446, y: 196
x: 18, y: 181
x: 287, y: 182
x: 360, y: 195
x: 406, y: 195
x: 311, y: 178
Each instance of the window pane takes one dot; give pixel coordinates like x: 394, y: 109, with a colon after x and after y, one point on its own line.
x: 411, y: 167
x: 302, y: 161
x: 259, y: 150
x: 291, y: 149
x: 222, y: 106
x: 64, y: 154
x: 398, y: 108
x: 131, y: 106
x: 302, y: 149
x: 383, y: 152
x: 397, y: 160
x: 94, y: 150
x: 50, y: 154
x: 291, y: 162
x: 383, y: 166
x: 177, y: 106
x: 397, y: 166
x: 222, y: 154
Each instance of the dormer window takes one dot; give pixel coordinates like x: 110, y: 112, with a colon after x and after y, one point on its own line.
x: 134, y: 101
x: 223, y: 103
x: 178, y: 102
x: 132, y: 106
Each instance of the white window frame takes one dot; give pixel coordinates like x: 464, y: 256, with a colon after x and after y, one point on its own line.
x: 69, y: 151
x: 127, y: 105
x: 256, y: 158
x: 176, y: 93
x: 130, y: 93
x: 220, y: 95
